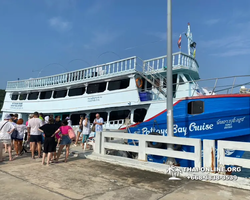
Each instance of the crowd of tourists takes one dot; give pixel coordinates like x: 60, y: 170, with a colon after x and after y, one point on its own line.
x: 44, y: 134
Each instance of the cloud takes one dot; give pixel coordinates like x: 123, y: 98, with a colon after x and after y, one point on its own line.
x: 234, y: 43
x: 211, y: 22
x: 97, y: 7
x: 160, y: 35
x: 60, y: 25
x: 228, y: 46
x: 101, y: 38
x: 163, y: 35
x: 233, y: 52
x: 94, y: 9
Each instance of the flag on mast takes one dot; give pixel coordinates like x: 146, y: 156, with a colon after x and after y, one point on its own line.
x: 179, y: 42
x: 194, y: 53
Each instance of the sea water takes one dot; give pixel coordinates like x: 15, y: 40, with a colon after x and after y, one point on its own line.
x: 244, y: 171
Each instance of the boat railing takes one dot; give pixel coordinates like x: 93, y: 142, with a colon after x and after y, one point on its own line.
x: 116, y: 122
x: 78, y: 76
x: 110, y: 69
x: 179, y: 59
x: 223, y: 85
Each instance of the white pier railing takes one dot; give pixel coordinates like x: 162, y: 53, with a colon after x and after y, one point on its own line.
x: 230, y: 145
x: 143, y: 150
x: 104, y: 143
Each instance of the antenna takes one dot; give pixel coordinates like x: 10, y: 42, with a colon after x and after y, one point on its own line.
x: 191, y: 44
x: 189, y: 37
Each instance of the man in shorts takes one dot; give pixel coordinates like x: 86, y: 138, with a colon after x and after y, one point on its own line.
x: 98, y: 122
x: 6, y: 129
x: 85, y: 131
x: 34, y: 134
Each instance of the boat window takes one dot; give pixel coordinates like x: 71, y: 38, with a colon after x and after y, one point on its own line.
x: 22, y: 96
x: 181, y: 82
x: 119, y: 84
x: 33, y: 96
x: 188, y: 77
x: 76, y: 91
x: 139, y: 115
x: 46, y: 95
x: 64, y: 116
x: 96, y: 87
x: 195, y: 107
x: 174, y: 84
x: 14, y: 96
x: 75, y: 118
x: 149, y: 86
x: 60, y: 94
x: 118, y: 114
x: 104, y: 115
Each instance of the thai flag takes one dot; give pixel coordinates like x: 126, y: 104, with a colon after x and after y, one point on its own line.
x: 179, y: 42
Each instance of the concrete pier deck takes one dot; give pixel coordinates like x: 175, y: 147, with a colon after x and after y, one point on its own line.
x: 26, y: 179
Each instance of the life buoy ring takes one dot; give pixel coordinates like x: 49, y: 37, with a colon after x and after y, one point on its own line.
x: 137, y: 82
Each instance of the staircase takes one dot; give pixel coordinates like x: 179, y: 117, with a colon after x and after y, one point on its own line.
x: 152, y: 76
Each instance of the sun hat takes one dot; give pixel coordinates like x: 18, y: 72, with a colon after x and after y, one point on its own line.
x: 7, y: 116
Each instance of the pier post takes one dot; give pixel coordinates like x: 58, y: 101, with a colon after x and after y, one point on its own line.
x: 209, y: 154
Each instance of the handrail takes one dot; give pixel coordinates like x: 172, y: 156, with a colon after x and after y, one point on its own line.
x: 132, y: 57
x: 101, y: 70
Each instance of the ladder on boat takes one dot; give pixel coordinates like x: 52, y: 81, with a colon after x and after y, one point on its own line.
x: 153, y: 77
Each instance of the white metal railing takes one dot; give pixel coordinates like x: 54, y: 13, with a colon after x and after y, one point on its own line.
x: 102, y: 143
x: 213, y: 86
x: 116, y: 122
x: 179, y: 60
x: 232, y: 145
x: 101, y: 71
x: 82, y: 75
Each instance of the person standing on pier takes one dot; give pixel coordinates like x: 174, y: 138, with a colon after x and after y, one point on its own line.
x: 98, y: 123
x: 79, y: 130
x: 6, y: 129
x: 49, y: 144
x: 21, y: 129
x: 85, y: 130
x: 34, y: 134
x: 15, y: 118
x: 65, y: 139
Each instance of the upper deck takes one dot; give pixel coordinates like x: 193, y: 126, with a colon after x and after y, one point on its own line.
x: 121, y: 67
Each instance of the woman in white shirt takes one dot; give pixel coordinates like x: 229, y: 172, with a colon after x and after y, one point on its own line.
x: 21, y: 129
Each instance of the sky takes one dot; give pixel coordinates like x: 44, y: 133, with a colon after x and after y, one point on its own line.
x: 46, y: 37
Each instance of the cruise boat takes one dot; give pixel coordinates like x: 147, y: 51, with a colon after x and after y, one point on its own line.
x: 131, y: 94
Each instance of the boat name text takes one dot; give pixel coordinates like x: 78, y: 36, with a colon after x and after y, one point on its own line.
x: 16, y: 105
x: 229, y: 122
x: 192, y: 127
x: 91, y: 99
